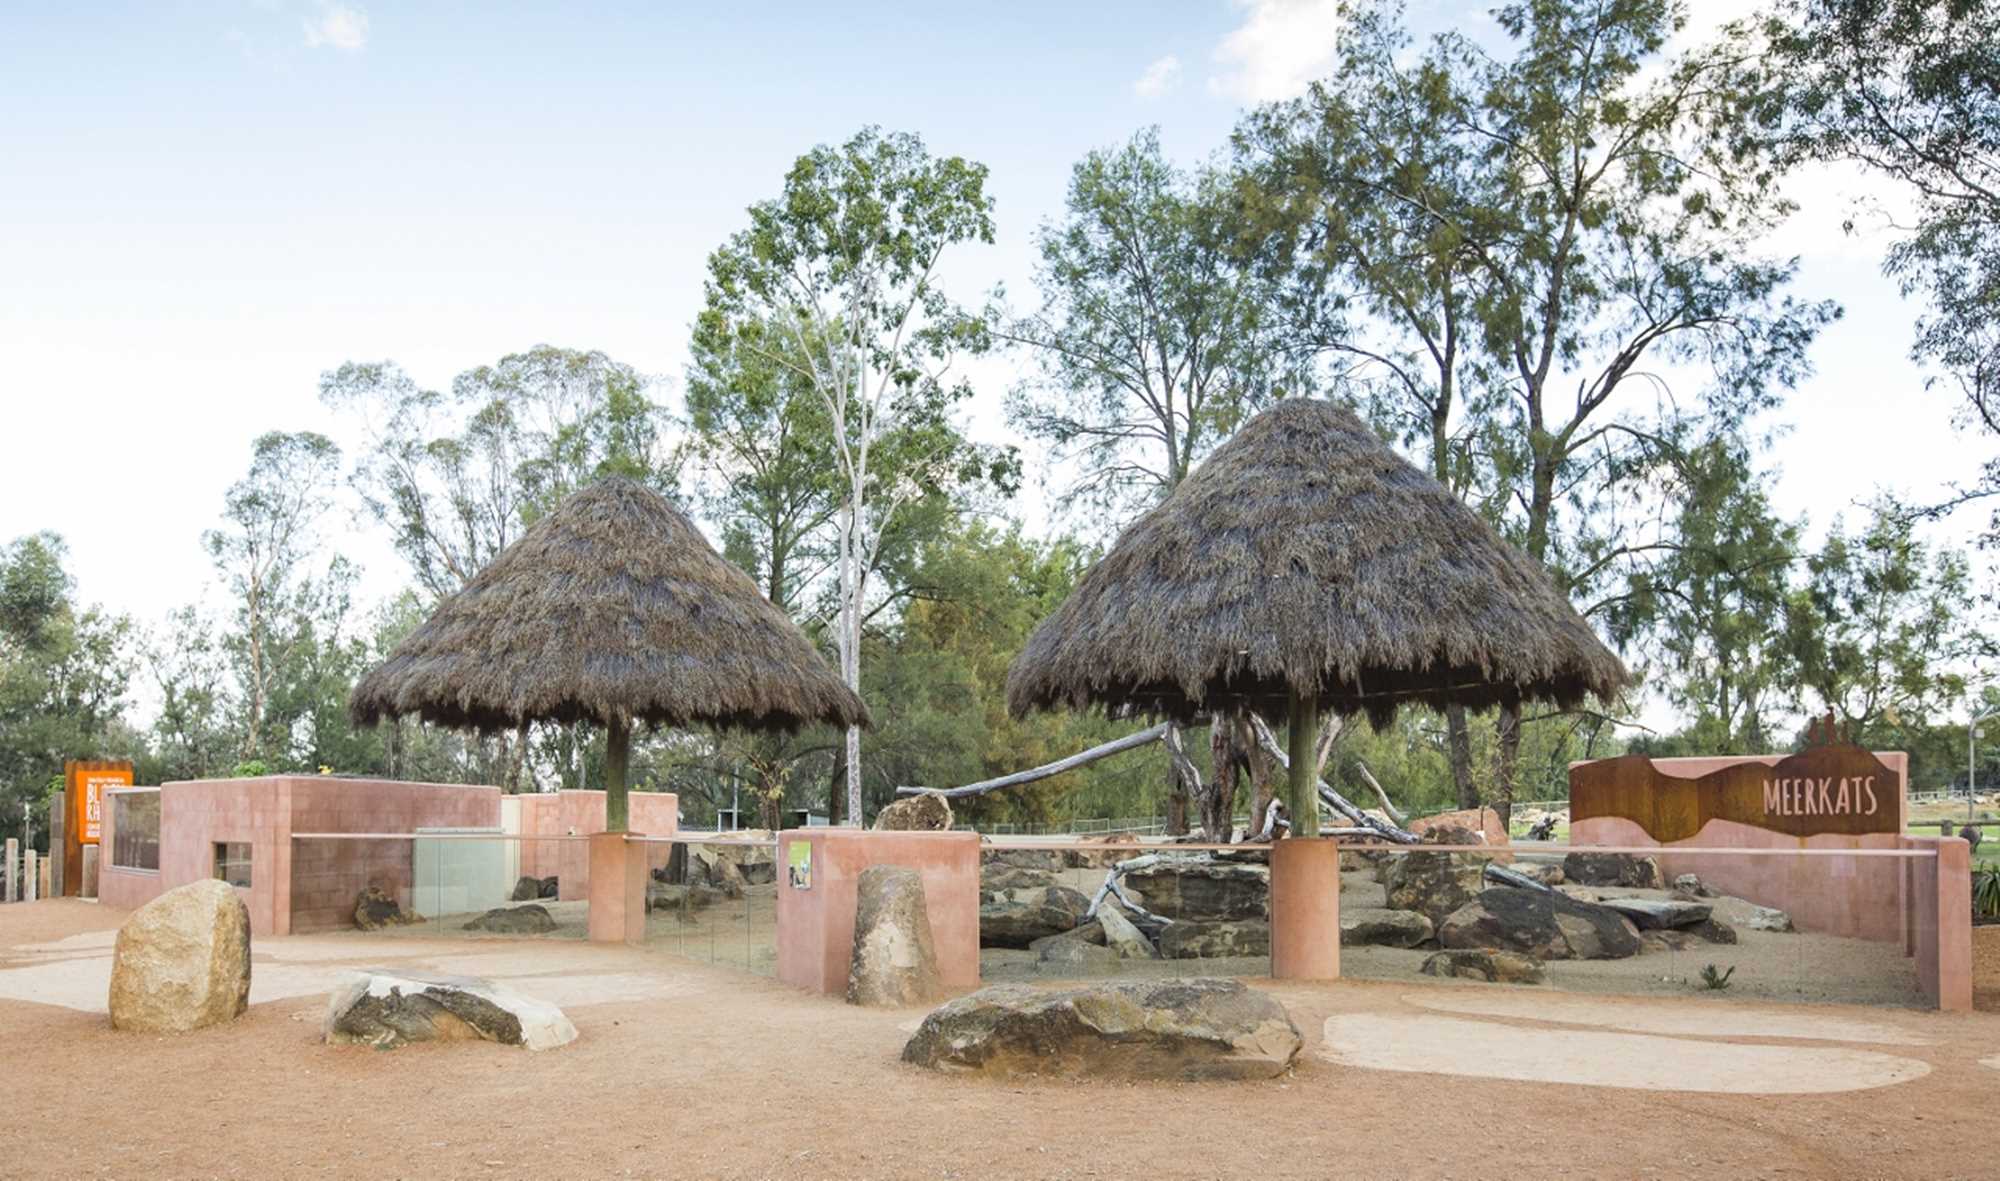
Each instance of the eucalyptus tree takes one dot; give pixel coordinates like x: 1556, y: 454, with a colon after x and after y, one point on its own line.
x: 269, y: 535
x: 1906, y: 89
x: 1612, y: 231
x: 836, y: 281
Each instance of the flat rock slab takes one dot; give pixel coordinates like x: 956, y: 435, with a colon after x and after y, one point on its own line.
x: 1650, y: 915
x: 1174, y: 1030
x: 1591, y: 1058
x: 388, y: 1009
x: 530, y: 919
x: 1385, y: 928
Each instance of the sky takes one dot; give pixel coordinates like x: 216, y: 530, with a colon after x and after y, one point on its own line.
x: 205, y: 204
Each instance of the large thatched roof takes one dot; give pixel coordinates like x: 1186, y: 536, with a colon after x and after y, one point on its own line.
x: 1306, y: 553
x: 612, y: 606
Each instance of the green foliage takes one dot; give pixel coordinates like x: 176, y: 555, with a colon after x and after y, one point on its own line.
x: 1154, y: 341
x: 249, y: 769
x: 1986, y: 890
x: 1715, y: 979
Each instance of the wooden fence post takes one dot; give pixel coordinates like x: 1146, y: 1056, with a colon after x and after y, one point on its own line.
x: 58, y: 857
x: 13, y: 870
x: 28, y: 873
x: 88, y: 887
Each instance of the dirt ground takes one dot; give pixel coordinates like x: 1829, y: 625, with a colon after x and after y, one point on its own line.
x: 692, y: 1070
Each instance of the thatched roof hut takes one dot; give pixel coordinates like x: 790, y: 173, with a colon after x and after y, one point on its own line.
x: 612, y: 609
x: 1306, y: 560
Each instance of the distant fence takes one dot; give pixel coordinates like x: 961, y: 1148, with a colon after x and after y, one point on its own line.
x: 1102, y: 826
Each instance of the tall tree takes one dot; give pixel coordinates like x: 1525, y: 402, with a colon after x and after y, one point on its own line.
x: 269, y: 534
x: 1614, y: 230
x: 1906, y: 89
x: 836, y: 280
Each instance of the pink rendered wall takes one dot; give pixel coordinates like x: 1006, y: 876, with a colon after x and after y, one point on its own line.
x: 581, y: 813
x: 816, y: 925
x: 325, y: 877
x: 124, y: 889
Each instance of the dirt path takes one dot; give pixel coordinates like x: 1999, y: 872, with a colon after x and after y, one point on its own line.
x: 723, y: 1075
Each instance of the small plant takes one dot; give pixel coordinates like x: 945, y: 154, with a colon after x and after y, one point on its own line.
x: 1986, y: 891
x: 1716, y: 980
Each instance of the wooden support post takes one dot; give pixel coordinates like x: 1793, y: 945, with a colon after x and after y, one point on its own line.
x: 1301, y: 794
x: 58, y: 847
x: 29, y: 875
x: 617, y: 752
x: 13, y: 870
x: 88, y: 887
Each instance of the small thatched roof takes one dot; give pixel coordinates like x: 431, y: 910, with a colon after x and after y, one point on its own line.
x: 612, y: 606
x: 1306, y: 553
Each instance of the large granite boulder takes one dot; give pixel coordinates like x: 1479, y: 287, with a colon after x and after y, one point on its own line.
x: 1121, y: 936
x: 1542, y: 924
x: 929, y: 812
x: 376, y: 908
x: 1185, y: 940
x: 530, y: 919
x: 182, y: 961
x: 895, y: 960
x: 1175, y: 1030
x: 1016, y: 918
x: 1386, y: 928
x: 386, y: 1009
x: 1479, y: 963
x: 1624, y: 870
x: 1431, y: 884
x: 1650, y: 915
x: 1205, y: 891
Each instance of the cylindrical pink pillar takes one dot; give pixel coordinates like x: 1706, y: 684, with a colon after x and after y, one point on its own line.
x: 1305, y: 909
x: 617, y: 889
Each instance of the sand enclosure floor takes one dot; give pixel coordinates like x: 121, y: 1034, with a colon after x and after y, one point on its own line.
x: 685, y: 1069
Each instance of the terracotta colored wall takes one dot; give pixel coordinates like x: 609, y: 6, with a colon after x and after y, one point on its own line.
x: 581, y: 813
x: 816, y: 925
x: 1939, y: 931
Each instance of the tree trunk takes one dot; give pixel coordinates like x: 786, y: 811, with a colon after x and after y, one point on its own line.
x: 1225, y: 746
x: 1302, y: 794
x: 617, y: 749
x: 1459, y: 748
x: 1177, y: 804
x: 1507, y: 760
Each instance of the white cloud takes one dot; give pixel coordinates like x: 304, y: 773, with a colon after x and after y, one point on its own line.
x: 1160, y: 77
x: 1281, y: 46
x: 340, y: 26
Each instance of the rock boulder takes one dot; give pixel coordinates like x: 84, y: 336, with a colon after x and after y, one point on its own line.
x: 1121, y: 936
x: 1648, y: 915
x: 1432, y: 884
x: 1494, y: 967
x: 387, y: 1009
x: 182, y: 961
x: 530, y: 919
x: 1386, y: 928
x: 895, y: 960
x: 929, y: 812
x: 1625, y: 870
x: 1173, y: 1030
x: 1185, y: 940
x: 1544, y: 925
x: 1016, y: 918
x: 1205, y: 891
x: 376, y: 908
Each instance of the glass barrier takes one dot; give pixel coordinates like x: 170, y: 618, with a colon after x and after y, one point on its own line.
x: 714, y: 900
x: 457, y: 884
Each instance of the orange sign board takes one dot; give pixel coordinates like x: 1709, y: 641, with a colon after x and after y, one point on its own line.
x: 88, y: 781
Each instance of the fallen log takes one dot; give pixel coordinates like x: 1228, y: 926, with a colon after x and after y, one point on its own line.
x: 1508, y: 877
x: 1328, y: 796
x: 1047, y: 770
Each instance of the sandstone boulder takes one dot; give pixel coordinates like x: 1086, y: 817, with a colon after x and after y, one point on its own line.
x: 1625, y: 870
x: 1483, y: 823
x: 929, y: 812
x: 1060, y: 954
x: 996, y: 878
x: 1688, y: 883
x: 1186, y: 940
x: 1016, y: 918
x: 895, y: 960
x: 530, y: 919
x: 387, y: 1009
x: 1048, y: 860
x: 1174, y: 1030
x: 1205, y: 891
x: 1759, y: 918
x: 182, y: 961
x: 1546, y: 926
x: 1385, y: 928
x: 376, y: 908
x: 1494, y: 967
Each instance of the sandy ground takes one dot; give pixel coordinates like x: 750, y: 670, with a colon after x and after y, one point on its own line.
x: 690, y: 1070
